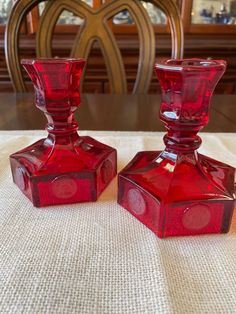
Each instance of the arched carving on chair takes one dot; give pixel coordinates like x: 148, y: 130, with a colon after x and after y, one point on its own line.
x: 116, y: 73
x: 97, y: 28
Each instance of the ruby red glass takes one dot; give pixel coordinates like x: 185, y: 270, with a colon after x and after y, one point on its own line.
x: 64, y: 167
x: 179, y: 191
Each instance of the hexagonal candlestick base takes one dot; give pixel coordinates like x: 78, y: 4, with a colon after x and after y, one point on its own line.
x: 183, y: 194
x: 87, y: 169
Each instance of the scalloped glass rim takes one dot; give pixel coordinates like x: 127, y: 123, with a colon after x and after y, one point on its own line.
x: 191, y: 64
x: 53, y: 60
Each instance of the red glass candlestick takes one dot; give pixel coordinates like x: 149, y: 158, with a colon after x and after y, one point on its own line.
x: 64, y: 167
x: 179, y: 191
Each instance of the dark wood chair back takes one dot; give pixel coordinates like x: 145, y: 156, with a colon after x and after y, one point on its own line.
x: 95, y: 27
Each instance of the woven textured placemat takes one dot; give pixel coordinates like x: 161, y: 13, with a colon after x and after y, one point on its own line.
x: 97, y: 258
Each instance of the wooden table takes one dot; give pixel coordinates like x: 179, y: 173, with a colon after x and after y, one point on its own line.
x: 111, y: 112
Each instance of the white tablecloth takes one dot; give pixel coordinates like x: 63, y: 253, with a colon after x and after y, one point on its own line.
x: 97, y: 258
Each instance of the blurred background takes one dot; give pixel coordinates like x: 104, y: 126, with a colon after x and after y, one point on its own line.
x: 209, y: 28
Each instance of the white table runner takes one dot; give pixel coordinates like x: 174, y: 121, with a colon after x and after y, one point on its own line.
x: 97, y: 258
